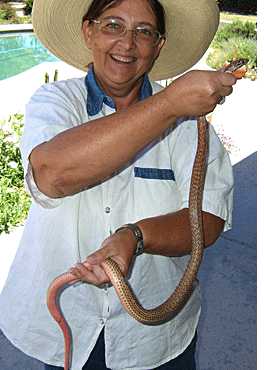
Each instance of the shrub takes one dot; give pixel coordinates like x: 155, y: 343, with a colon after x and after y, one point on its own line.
x: 14, y: 201
x: 7, y: 12
x: 26, y: 19
x: 236, y: 48
x: 29, y: 6
x: 234, y: 30
x: 234, y: 41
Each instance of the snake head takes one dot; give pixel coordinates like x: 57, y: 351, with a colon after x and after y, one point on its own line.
x: 233, y: 66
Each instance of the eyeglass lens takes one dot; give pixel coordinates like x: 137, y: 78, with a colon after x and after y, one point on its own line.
x: 143, y: 35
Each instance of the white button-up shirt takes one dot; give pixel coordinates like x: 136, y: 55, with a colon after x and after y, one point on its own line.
x: 60, y: 232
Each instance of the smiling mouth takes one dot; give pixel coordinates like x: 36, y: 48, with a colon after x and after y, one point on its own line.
x: 120, y: 58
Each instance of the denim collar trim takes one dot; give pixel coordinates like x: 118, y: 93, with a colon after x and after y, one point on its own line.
x: 96, y: 96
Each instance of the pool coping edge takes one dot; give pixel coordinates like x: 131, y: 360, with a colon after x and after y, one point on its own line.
x: 7, y: 28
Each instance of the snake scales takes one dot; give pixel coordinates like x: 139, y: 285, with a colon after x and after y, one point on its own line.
x: 175, y: 302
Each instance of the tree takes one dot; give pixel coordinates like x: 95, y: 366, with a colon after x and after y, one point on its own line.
x: 240, y: 6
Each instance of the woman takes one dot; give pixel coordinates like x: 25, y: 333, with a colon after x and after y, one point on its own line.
x: 110, y: 150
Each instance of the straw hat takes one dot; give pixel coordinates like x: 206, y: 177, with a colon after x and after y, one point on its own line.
x: 191, y: 26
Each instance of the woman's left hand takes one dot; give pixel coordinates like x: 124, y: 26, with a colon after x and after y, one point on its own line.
x: 119, y: 246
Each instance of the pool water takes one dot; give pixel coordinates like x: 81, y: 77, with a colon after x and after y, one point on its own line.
x: 19, y: 52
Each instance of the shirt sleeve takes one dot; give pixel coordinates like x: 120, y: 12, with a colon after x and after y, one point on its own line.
x: 53, y: 108
x: 219, y: 181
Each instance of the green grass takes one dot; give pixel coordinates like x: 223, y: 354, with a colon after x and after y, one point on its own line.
x: 237, y: 17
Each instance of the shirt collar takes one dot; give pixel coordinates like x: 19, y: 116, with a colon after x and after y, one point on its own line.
x: 96, y: 96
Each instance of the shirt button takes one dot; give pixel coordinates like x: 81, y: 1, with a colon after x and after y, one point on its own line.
x: 101, y: 321
x: 107, y: 209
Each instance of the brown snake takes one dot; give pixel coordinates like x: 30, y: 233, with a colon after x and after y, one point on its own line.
x: 176, y: 301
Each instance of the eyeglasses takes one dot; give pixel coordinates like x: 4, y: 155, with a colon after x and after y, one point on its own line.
x: 143, y: 35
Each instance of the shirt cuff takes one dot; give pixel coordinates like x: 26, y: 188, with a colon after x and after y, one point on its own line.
x: 216, y: 209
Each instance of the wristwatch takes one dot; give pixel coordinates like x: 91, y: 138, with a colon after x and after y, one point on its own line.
x: 138, y: 234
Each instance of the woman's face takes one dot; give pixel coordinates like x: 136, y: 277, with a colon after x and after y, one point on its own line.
x: 120, y: 63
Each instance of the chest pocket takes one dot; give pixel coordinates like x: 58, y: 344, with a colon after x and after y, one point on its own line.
x: 154, y: 173
x: 156, y: 191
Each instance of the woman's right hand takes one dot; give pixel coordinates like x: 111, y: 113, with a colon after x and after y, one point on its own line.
x: 196, y: 93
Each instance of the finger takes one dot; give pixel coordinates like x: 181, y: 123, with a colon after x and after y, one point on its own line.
x: 75, y: 272
x: 99, y: 276
x: 228, y: 91
x: 80, y: 271
x: 227, y: 79
x: 225, y: 92
x: 74, y: 281
x: 94, y: 275
x: 97, y: 257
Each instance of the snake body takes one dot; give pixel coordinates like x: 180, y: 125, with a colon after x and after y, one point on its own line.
x: 176, y: 301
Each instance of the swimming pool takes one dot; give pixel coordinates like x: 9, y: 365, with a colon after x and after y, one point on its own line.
x: 19, y: 52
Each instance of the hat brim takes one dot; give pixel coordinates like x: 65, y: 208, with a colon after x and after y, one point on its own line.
x: 191, y: 26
